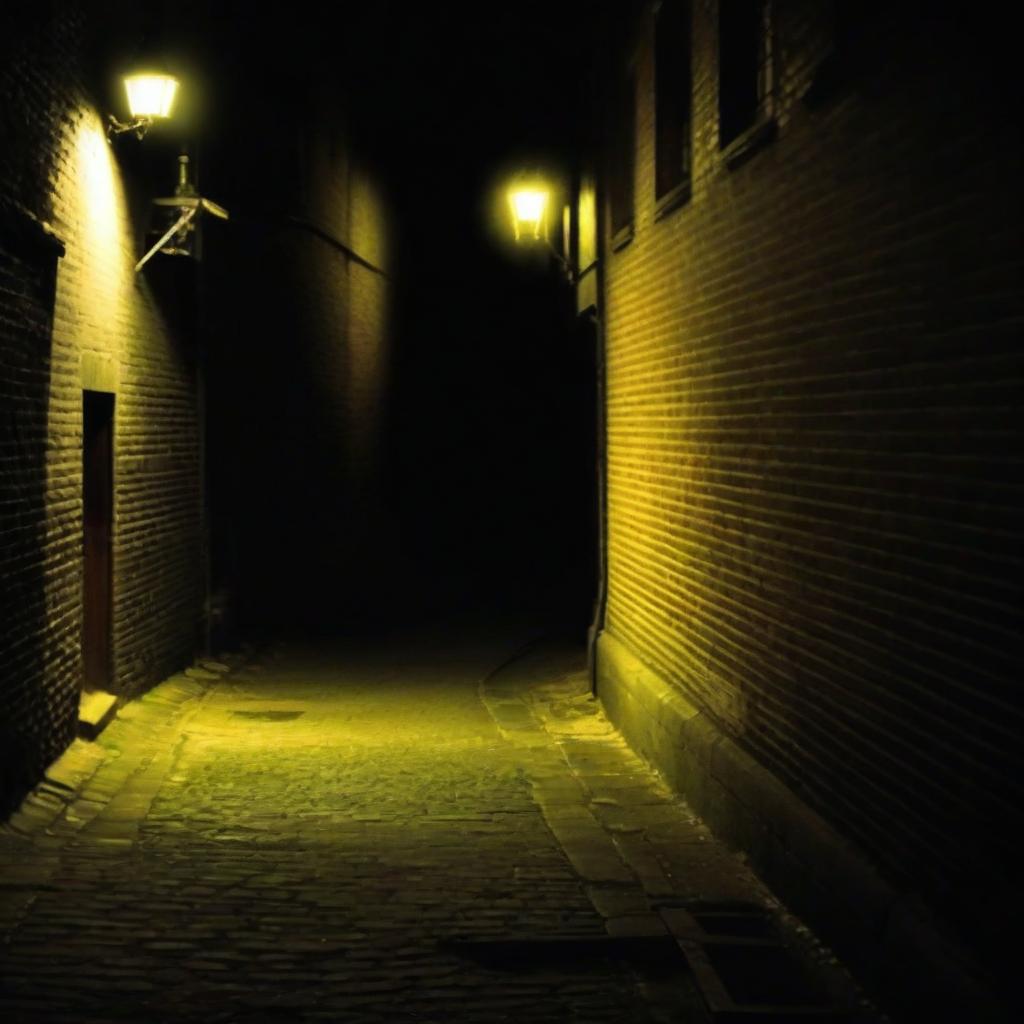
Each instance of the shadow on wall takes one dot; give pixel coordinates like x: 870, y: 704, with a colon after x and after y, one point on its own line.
x: 35, y: 724
x: 295, y: 394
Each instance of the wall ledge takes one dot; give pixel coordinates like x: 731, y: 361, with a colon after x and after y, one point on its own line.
x: 888, y: 938
x: 22, y: 227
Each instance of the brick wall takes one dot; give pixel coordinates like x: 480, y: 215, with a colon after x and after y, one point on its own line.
x: 299, y: 379
x: 94, y: 325
x: 813, y: 371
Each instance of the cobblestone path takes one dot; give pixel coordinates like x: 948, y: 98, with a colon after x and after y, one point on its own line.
x: 356, y: 837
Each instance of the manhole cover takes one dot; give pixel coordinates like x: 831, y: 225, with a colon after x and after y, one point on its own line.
x: 267, y: 716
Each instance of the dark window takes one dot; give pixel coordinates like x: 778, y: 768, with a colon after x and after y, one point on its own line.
x: 622, y: 159
x: 744, y: 67
x: 856, y: 29
x: 672, y: 97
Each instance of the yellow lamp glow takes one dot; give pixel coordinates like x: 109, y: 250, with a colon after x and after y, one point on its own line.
x: 150, y: 95
x: 529, y: 206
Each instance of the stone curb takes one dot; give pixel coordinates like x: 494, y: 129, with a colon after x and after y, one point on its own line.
x: 80, y: 784
x: 812, y: 868
x: 544, y: 713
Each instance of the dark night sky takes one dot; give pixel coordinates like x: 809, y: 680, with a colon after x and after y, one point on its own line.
x: 424, y: 75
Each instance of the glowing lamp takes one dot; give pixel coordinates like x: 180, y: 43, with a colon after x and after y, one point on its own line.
x: 529, y: 205
x: 150, y: 95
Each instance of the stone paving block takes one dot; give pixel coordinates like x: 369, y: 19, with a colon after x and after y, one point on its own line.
x: 594, y: 862
x: 636, y: 926
x: 618, y: 901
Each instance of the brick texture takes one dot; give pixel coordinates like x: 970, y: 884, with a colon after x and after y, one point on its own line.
x: 813, y: 373
x: 299, y: 380
x: 95, y: 324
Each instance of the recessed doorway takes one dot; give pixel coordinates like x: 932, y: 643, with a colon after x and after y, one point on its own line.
x: 98, y: 529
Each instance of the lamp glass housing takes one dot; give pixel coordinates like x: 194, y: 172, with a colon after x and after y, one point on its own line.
x: 150, y: 95
x: 529, y: 205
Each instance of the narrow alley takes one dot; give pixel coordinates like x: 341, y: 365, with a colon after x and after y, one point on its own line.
x: 424, y: 831
x: 511, y: 513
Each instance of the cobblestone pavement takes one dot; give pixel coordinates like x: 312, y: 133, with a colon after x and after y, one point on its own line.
x: 360, y: 835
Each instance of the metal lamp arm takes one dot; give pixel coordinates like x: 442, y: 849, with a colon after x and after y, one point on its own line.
x: 138, y: 126
x: 182, y: 221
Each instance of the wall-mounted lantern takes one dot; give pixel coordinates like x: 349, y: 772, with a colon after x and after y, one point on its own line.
x: 529, y: 206
x: 150, y: 97
x: 529, y: 201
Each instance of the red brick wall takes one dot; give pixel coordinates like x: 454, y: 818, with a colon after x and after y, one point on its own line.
x: 99, y: 326
x: 813, y: 441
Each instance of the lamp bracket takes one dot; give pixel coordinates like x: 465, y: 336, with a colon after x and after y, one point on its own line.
x: 179, y: 225
x: 138, y: 125
x: 190, y: 206
x: 189, y: 209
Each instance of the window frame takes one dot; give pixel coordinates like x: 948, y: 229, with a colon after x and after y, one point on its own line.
x: 759, y: 127
x: 621, y: 162
x: 673, y: 99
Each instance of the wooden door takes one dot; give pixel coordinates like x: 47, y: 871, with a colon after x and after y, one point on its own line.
x: 98, y: 516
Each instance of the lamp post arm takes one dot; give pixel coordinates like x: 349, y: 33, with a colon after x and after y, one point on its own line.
x: 138, y: 125
x: 181, y: 222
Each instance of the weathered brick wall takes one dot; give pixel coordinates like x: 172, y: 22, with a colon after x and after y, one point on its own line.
x: 300, y: 380
x: 99, y: 327
x: 813, y: 443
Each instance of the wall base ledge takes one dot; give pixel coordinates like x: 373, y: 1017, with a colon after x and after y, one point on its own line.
x: 889, y: 939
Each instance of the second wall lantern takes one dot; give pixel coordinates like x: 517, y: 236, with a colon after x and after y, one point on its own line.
x: 529, y: 206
